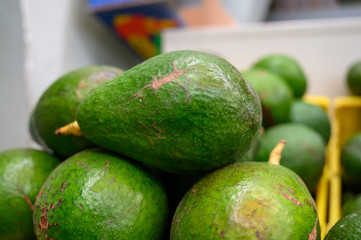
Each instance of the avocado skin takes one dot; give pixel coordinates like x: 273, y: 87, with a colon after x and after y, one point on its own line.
x: 22, y: 173
x: 304, y: 151
x: 58, y: 105
x: 96, y: 194
x: 181, y: 112
x: 248, y: 200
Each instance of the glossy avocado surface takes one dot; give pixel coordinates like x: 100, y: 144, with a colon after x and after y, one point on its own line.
x: 181, y: 112
x: 96, y: 194
x: 248, y: 200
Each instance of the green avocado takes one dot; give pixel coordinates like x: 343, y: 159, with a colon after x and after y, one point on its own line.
x: 22, y: 173
x: 181, y: 112
x: 275, y: 95
x: 288, y: 68
x: 303, y: 153
x: 248, y: 200
x: 347, y: 228
x: 58, y: 105
x: 96, y: 194
x: 312, y: 116
x: 353, y: 78
x: 351, y: 163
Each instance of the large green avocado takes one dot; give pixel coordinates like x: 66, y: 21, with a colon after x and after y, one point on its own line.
x: 249, y: 200
x: 97, y: 194
x: 22, y: 173
x: 58, y: 105
x: 182, y: 112
x: 288, y: 68
x: 304, y: 152
x: 275, y: 95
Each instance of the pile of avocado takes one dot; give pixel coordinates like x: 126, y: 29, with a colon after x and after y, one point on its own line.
x: 280, y: 82
x: 180, y: 146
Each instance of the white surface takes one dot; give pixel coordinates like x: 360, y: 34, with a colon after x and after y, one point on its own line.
x: 324, y: 48
x: 13, y: 94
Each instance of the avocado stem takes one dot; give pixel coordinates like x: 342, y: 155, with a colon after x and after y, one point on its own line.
x: 275, y: 156
x: 69, y: 129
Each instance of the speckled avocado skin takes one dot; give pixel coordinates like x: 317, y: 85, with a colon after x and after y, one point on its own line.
x: 22, y: 173
x: 248, y: 200
x: 58, y: 105
x: 182, y: 112
x: 96, y: 194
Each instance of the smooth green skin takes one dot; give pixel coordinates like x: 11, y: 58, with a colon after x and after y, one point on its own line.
x: 347, y: 228
x: 182, y: 112
x: 303, y: 153
x: 58, y: 105
x: 275, y: 95
x: 351, y: 162
x: 249, y: 200
x: 22, y: 173
x: 351, y: 205
x: 96, y: 194
x: 353, y: 78
x: 312, y: 116
x: 288, y: 68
